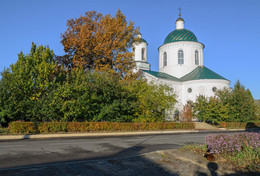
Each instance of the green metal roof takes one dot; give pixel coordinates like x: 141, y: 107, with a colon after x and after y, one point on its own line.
x: 180, y: 35
x: 201, y: 72
x: 143, y: 40
x: 161, y: 75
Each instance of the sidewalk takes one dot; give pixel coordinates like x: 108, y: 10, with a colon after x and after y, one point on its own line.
x: 106, y: 134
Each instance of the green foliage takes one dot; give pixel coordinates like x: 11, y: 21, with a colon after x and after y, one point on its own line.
x: 241, y: 104
x: 22, y: 127
x: 38, y: 89
x: 257, y: 103
x: 239, y: 124
x: 153, y: 100
x: 96, y: 96
x: 235, y: 105
x: 210, y: 109
x: 56, y: 127
x: 31, y: 78
x: 248, y: 158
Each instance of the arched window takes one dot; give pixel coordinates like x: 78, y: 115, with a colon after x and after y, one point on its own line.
x: 196, y: 58
x: 180, y: 57
x: 164, y: 59
x: 143, y: 50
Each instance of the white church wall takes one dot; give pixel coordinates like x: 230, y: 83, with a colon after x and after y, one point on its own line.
x: 201, y: 87
x: 175, y: 69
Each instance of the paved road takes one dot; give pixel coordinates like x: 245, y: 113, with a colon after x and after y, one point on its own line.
x: 14, y: 154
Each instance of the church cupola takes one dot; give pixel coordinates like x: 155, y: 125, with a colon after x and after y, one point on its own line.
x: 180, y: 21
x: 139, y: 50
x: 181, y: 52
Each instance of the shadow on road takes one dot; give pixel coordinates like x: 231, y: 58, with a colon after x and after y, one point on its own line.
x: 110, y: 165
x: 252, y: 127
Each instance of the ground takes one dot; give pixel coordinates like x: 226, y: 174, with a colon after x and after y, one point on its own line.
x: 160, y: 163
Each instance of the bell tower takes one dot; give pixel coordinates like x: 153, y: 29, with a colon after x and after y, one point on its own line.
x: 139, y: 50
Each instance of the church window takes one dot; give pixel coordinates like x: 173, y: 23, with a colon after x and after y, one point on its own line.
x: 189, y: 90
x: 143, y: 50
x: 214, y: 89
x: 196, y: 58
x: 180, y: 57
x: 164, y: 59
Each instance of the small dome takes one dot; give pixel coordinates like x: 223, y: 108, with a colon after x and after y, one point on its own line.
x: 142, y: 40
x: 180, y: 19
x: 180, y: 35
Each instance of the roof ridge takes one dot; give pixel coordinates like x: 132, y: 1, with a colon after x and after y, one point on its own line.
x: 198, y: 73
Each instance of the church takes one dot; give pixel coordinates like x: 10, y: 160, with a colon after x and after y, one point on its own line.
x: 180, y: 66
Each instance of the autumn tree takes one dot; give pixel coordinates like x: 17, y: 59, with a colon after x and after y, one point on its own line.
x: 100, y: 42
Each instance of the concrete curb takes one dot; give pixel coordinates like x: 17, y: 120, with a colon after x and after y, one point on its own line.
x: 106, y: 134
x: 42, y: 136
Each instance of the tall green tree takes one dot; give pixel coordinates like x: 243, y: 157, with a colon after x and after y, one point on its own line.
x: 242, y: 104
x: 25, y: 82
x: 210, y: 109
x: 232, y: 105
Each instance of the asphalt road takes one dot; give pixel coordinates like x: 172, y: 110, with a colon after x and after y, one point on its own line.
x: 27, y: 153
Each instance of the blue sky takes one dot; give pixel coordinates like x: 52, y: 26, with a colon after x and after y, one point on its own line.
x: 230, y: 29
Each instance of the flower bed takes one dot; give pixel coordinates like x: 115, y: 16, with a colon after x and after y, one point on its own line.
x: 227, y: 143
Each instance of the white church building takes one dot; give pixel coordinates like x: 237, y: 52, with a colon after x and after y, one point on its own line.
x: 180, y: 66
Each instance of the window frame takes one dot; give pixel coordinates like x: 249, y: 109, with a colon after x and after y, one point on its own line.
x: 143, y: 54
x: 196, y: 57
x: 165, y: 59
x: 180, y: 57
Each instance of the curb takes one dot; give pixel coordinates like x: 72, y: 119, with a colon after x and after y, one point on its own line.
x: 107, y: 134
x: 104, y: 134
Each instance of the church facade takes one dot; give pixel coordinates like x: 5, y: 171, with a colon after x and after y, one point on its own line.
x: 180, y: 66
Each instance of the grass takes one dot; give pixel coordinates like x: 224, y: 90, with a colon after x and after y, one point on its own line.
x: 246, y: 160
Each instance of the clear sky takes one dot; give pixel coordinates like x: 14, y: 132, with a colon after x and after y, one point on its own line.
x: 229, y: 29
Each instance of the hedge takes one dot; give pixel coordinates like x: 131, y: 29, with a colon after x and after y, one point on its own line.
x: 239, y: 124
x: 19, y: 127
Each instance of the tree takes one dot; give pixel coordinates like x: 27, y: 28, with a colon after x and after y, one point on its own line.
x: 154, y: 101
x: 187, y: 112
x: 28, y: 80
x: 242, y: 104
x: 100, y: 42
x: 236, y: 105
x: 210, y: 109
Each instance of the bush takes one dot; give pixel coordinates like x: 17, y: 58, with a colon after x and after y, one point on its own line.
x: 239, y: 124
x: 54, y: 127
x: 19, y: 127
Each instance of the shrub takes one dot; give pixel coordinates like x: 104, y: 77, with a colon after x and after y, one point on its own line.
x: 19, y: 127
x: 239, y: 124
x: 54, y: 127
